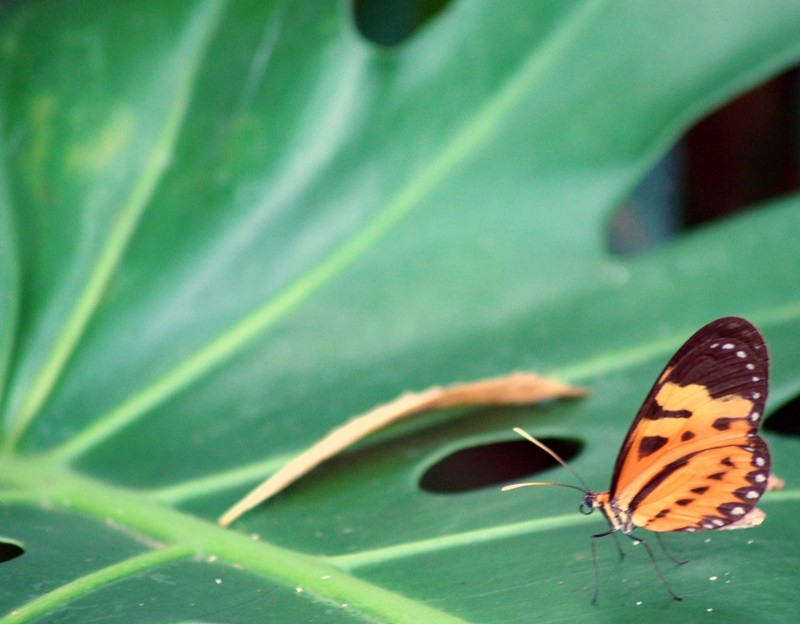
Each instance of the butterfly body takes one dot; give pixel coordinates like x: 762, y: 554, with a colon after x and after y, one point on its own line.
x: 692, y: 459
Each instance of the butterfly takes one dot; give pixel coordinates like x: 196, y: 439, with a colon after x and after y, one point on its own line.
x: 692, y: 459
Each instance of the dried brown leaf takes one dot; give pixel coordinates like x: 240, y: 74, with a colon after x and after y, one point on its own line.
x: 775, y: 483
x: 514, y: 389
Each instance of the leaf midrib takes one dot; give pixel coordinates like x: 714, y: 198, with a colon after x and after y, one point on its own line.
x: 184, y: 535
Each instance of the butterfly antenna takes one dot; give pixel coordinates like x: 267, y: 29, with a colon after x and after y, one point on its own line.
x: 555, y: 456
x: 514, y: 486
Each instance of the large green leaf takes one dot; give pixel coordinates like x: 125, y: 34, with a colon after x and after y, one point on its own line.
x: 226, y: 228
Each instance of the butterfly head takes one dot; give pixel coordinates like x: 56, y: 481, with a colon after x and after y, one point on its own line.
x: 589, y: 502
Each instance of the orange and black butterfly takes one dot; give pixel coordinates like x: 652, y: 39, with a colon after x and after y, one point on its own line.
x: 692, y: 459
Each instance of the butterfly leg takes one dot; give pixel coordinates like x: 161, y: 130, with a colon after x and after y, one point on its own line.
x: 594, y: 560
x: 671, y: 557
x: 619, y: 546
x: 638, y: 540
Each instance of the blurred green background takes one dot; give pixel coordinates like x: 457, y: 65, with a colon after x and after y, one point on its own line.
x: 228, y: 227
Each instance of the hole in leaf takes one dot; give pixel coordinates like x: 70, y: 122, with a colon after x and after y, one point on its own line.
x: 786, y: 419
x: 10, y: 550
x: 491, y: 465
x: 740, y: 155
x: 390, y: 22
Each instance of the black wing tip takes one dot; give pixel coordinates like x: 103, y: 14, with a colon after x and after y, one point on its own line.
x: 732, y: 324
x: 732, y: 328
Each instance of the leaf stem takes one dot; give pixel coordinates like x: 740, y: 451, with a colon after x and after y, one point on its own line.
x: 186, y: 535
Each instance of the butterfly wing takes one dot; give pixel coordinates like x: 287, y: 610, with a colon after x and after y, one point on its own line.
x: 693, y: 459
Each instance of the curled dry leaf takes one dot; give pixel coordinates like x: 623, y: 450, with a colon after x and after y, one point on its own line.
x: 751, y: 519
x: 514, y: 389
x: 775, y: 483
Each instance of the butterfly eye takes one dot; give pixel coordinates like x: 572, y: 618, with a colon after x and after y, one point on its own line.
x: 587, y: 505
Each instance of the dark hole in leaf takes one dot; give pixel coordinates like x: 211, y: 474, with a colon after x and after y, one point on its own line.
x: 390, y: 22
x: 740, y: 155
x: 786, y: 419
x: 492, y: 465
x: 10, y: 550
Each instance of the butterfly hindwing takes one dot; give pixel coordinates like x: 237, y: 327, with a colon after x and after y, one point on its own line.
x: 692, y: 458
x: 708, y: 490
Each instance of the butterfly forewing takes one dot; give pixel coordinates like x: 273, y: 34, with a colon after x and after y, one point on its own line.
x: 692, y: 458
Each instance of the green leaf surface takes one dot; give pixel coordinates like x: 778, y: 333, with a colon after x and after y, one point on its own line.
x: 225, y: 228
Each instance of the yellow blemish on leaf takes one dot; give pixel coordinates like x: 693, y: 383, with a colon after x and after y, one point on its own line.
x: 102, y: 147
x: 9, y: 45
x: 40, y: 124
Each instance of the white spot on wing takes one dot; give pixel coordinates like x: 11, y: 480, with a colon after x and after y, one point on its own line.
x: 741, y: 354
x: 727, y: 345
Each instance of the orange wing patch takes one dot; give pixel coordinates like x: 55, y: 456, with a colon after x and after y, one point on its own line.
x: 727, y: 420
